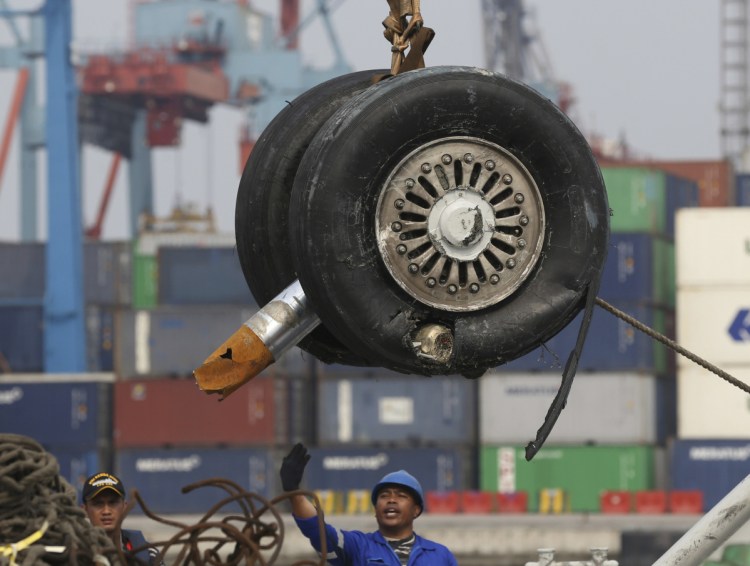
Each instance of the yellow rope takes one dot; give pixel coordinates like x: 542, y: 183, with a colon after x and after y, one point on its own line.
x: 13, y: 549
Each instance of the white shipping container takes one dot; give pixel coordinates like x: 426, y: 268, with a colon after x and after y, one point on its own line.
x: 709, y: 407
x: 605, y: 408
x: 714, y: 323
x: 712, y: 246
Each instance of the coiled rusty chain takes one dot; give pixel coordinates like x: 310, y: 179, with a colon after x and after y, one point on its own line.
x: 40, y: 519
x: 41, y: 522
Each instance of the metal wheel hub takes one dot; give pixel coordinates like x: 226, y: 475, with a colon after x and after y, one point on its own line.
x: 460, y: 224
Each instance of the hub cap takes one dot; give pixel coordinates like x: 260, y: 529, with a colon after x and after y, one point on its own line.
x: 460, y: 224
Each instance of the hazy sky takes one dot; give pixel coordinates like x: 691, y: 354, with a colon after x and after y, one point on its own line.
x: 645, y: 69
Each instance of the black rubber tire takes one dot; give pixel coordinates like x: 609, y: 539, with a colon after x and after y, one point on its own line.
x: 335, y: 197
x: 262, y: 206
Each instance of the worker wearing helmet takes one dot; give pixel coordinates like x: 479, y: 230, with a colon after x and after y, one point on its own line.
x: 103, y: 499
x: 398, y: 499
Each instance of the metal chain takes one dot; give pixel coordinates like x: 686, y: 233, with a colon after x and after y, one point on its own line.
x: 673, y: 345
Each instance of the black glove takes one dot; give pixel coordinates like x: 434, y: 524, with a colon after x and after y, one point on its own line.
x: 293, y: 466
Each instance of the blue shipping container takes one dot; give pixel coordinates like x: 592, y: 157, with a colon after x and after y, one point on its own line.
x: 100, y: 338
x: 77, y: 465
x: 714, y: 467
x: 21, y: 339
x: 160, y: 474
x: 403, y: 409
x: 743, y: 190
x: 63, y: 414
x: 680, y: 193
x: 23, y: 271
x: 201, y: 276
x: 637, y: 269
x: 611, y: 344
x: 341, y: 469
x: 107, y: 273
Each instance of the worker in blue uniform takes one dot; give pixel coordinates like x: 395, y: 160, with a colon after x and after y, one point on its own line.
x: 398, y: 499
x: 103, y: 499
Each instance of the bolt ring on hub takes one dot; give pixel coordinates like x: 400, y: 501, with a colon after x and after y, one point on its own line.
x: 460, y: 224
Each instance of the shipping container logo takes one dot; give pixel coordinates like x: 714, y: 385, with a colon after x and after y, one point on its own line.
x: 168, y: 464
x: 739, y: 330
x: 10, y: 396
x: 720, y: 453
x: 374, y: 462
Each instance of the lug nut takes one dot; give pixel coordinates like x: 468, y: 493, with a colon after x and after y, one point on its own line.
x: 494, y: 279
x: 474, y: 288
x: 519, y: 198
x: 410, y: 183
x: 401, y: 249
x: 452, y: 289
x: 524, y: 220
x: 399, y: 203
x: 507, y: 179
x: 397, y: 226
x: 413, y: 268
x: 489, y: 165
x: 468, y: 158
x: 426, y: 168
x: 446, y: 159
x: 521, y: 243
x: 511, y: 263
x: 431, y: 282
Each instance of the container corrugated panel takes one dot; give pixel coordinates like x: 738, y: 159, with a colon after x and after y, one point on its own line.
x: 636, y: 411
x: 21, y: 339
x: 406, y: 409
x: 743, y: 190
x: 680, y: 193
x: 713, y: 247
x: 23, y: 269
x: 58, y: 413
x: 714, y: 178
x: 108, y: 273
x: 172, y: 341
x: 637, y: 197
x: 175, y: 412
x: 713, y: 467
x: 440, y: 469
x: 714, y: 323
x: 100, y: 338
x: 581, y: 472
x: 160, y: 475
x: 709, y: 407
x: 194, y: 276
x: 611, y: 344
x: 637, y: 269
x: 144, y: 281
x: 77, y: 465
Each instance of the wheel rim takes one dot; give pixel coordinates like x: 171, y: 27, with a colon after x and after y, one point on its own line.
x: 460, y: 224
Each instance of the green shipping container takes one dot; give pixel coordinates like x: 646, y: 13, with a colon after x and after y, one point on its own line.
x: 144, y: 281
x: 582, y: 473
x: 637, y: 198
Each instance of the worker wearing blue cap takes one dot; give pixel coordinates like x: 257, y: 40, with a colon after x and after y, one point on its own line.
x: 398, y: 499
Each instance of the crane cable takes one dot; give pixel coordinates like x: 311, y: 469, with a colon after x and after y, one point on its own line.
x: 673, y: 345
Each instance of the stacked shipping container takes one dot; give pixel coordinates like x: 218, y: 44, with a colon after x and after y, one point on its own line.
x: 621, y: 408
x: 713, y: 289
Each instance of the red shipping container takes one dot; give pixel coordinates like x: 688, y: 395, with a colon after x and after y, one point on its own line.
x: 688, y: 502
x: 615, y: 502
x: 650, y: 502
x: 442, y: 502
x: 175, y: 412
x: 476, y: 502
x: 516, y: 502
